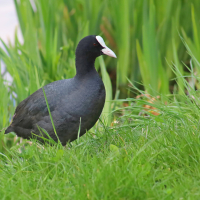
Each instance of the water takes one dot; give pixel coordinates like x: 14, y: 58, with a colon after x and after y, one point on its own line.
x: 8, y: 24
x: 8, y: 20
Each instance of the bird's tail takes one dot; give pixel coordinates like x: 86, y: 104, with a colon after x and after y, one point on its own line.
x: 8, y: 130
x: 2, y: 129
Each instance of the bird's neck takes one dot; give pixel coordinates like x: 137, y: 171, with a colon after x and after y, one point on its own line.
x: 84, y: 65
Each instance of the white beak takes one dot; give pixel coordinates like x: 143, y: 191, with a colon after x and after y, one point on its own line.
x: 105, y: 49
x: 108, y: 52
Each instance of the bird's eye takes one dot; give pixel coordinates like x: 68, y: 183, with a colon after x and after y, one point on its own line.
x: 95, y: 44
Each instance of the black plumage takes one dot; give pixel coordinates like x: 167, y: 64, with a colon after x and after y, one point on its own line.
x: 71, y: 101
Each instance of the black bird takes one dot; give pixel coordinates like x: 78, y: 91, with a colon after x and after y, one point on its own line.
x: 74, y: 103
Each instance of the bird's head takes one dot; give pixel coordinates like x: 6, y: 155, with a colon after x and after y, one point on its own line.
x: 93, y: 46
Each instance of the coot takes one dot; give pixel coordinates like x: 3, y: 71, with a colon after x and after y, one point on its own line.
x: 74, y: 103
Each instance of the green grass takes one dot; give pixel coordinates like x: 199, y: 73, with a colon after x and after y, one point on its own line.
x: 141, y: 157
x: 144, y: 34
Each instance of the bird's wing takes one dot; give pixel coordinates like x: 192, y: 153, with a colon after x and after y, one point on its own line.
x: 34, y: 108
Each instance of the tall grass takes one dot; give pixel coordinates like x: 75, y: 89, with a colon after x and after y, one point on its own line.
x: 143, y: 156
x: 6, y: 110
x: 145, y: 35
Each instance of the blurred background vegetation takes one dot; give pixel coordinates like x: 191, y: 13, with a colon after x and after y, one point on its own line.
x: 149, y: 37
